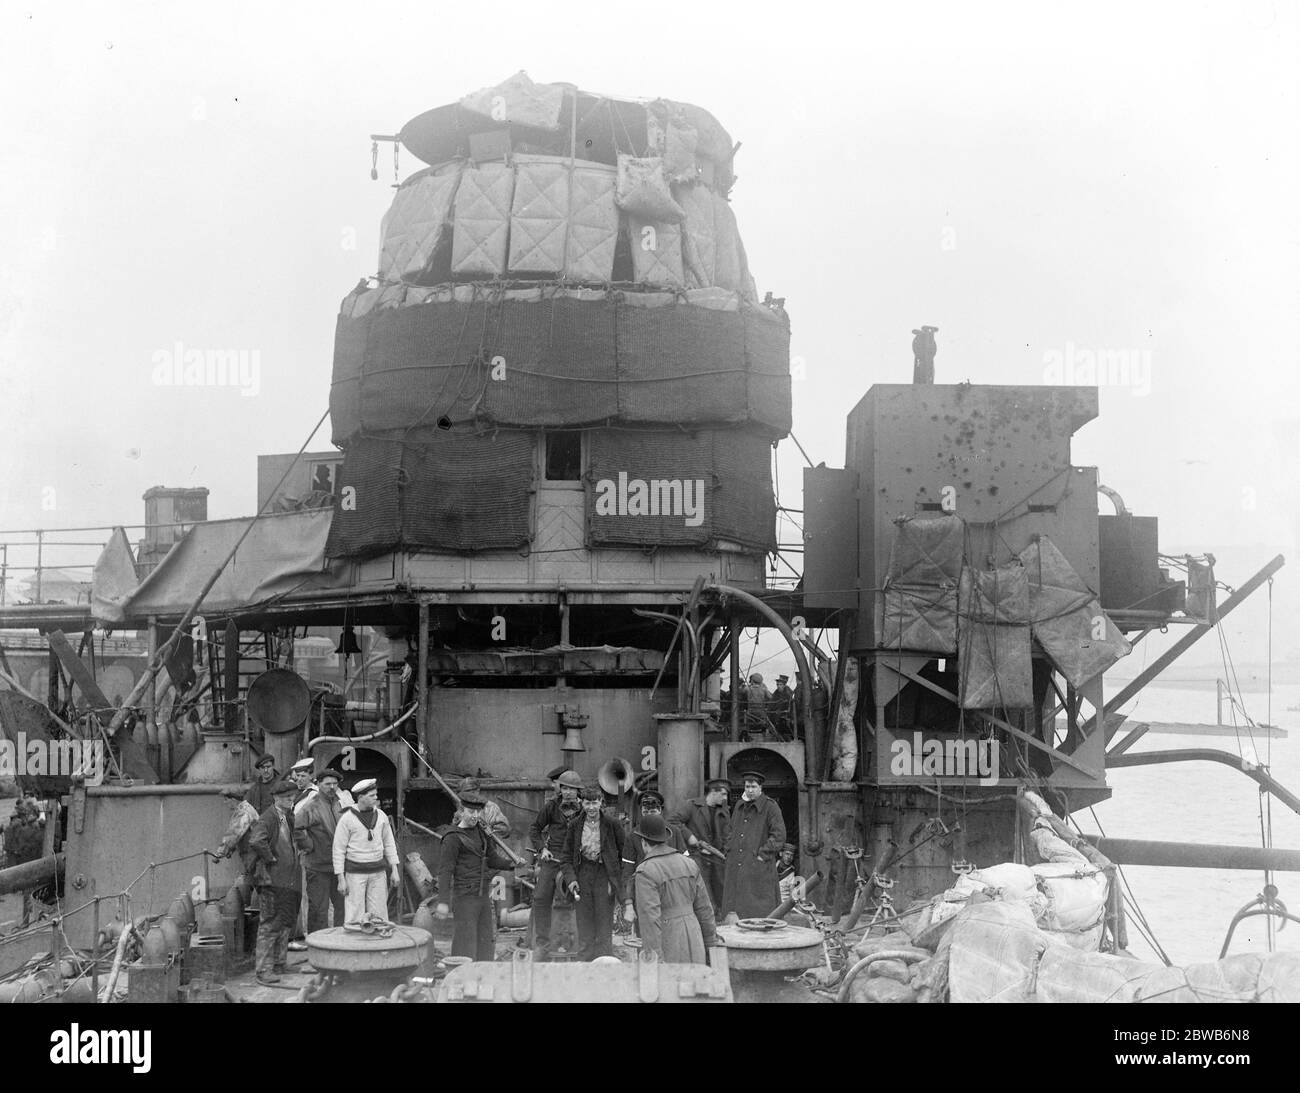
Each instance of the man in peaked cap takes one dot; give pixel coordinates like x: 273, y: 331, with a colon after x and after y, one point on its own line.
x: 673, y: 908
x: 546, y: 840
x: 706, y: 822
x: 315, y: 819
x: 757, y: 834
x: 493, y: 818
x: 262, y: 794
x: 279, y: 882
x: 365, y: 855
x: 651, y: 803
x: 467, y: 865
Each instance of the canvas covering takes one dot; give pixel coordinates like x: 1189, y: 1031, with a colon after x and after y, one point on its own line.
x: 918, y: 610
x: 482, y: 224
x: 994, y: 656
x: 416, y: 223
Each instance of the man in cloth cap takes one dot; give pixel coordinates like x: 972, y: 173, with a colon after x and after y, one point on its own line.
x: 315, y: 819
x: 757, y: 833
x: 546, y: 840
x: 493, y: 818
x: 591, y: 865
x: 278, y: 882
x: 672, y: 906
x: 262, y: 794
x: 783, y: 706
x: 650, y: 804
x: 466, y: 868
x: 707, y: 823
x: 365, y: 855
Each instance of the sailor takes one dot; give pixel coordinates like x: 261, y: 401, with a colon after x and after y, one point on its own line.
x: 24, y: 840
x: 465, y: 871
x: 757, y: 832
x: 278, y: 882
x: 707, y: 823
x: 672, y: 905
x: 315, y: 820
x: 493, y: 818
x: 591, y: 865
x: 546, y: 839
x: 365, y: 855
x: 651, y: 804
x: 923, y: 354
x: 300, y: 774
x: 786, y: 881
x: 783, y: 706
x: 262, y: 793
x: 242, y: 818
x: 757, y: 700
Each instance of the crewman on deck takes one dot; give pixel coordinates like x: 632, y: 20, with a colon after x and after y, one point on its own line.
x: 706, y: 822
x: 365, y: 855
x: 301, y: 774
x: 315, y: 820
x: 591, y: 865
x: 235, y: 840
x: 546, y: 839
x: 672, y: 906
x: 786, y: 880
x: 757, y: 833
x: 466, y: 867
x: 782, y: 707
x: 278, y: 882
x: 262, y: 794
x: 493, y: 818
x: 651, y: 804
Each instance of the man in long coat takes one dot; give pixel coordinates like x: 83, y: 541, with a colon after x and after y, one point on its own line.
x: 672, y: 906
x: 757, y: 835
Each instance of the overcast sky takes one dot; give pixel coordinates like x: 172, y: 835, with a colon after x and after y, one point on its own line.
x: 1032, y: 180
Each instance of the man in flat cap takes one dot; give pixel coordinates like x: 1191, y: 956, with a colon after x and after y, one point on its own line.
x: 782, y: 708
x: 651, y: 803
x: 672, y: 906
x: 315, y: 819
x: 235, y: 840
x: 591, y: 865
x: 493, y: 818
x: 546, y: 840
x: 262, y: 793
x: 468, y: 863
x: 707, y: 823
x: 278, y: 881
x: 365, y: 855
x: 757, y: 833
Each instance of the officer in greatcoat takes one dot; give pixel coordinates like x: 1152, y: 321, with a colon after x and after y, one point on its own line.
x: 757, y: 835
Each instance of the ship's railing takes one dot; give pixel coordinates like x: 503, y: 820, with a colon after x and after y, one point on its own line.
x: 55, y: 565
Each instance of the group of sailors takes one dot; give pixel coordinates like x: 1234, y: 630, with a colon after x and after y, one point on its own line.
x: 671, y: 878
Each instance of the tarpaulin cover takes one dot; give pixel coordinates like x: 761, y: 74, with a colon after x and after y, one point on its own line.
x: 113, y: 581
x: 699, y: 239
x: 451, y: 490
x: 726, y: 474
x: 918, y: 610
x: 1068, y: 620
x: 416, y: 223
x: 643, y: 190
x: 284, y: 553
x: 482, y: 224
x: 994, y: 659
x: 519, y: 101
x: 560, y: 359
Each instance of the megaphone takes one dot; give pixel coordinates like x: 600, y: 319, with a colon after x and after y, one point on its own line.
x: 616, y: 776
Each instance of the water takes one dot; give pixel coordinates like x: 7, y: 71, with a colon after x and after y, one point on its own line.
x: 1189, y: 909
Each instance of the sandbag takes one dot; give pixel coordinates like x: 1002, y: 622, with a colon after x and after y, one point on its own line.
x: 881, y: 991
x: 890, y: 969
x: 1076, y: 903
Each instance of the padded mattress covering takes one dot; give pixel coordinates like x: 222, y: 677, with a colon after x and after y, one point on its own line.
x: 482, y: 224
x: 415, y: 223
x: 563, y: 219
x: 994, y: 658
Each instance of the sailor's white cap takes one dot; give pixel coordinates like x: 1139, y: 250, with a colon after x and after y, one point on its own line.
x: 364, y: 786
x: 306, y: 763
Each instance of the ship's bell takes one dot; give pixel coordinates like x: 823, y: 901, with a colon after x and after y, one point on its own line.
x: 348, y: 642
x: 572, y: 739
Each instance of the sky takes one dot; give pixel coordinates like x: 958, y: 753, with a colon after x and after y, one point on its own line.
x: 1039, y: 182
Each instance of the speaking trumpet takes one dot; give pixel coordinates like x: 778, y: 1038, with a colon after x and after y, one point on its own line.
x: 616, y: 776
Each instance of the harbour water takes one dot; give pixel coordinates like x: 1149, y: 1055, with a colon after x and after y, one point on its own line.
x: 1189, y: 909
